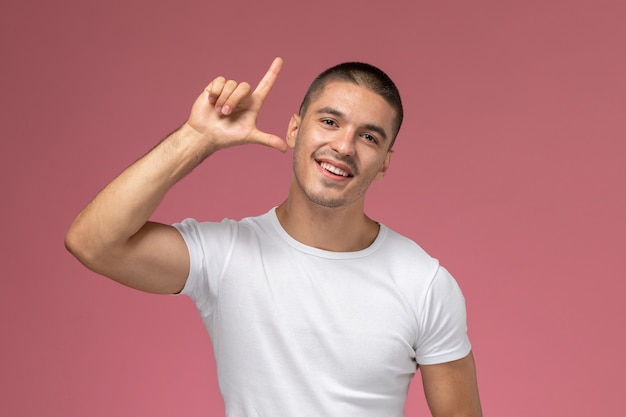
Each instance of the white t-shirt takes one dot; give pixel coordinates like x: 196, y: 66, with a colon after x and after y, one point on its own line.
x: 299, y: 331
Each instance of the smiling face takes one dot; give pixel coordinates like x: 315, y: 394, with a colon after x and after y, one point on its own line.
x: 341, y: 144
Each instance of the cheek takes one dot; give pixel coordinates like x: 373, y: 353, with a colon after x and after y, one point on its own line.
x: 375, y: 163
x: 299, y: 158
x: 307, y: 145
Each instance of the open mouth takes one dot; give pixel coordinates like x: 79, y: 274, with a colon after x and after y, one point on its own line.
x: 334, y: 170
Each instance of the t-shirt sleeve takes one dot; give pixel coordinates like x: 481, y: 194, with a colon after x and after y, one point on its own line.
x: 443, y: 325
x: 209, y: 245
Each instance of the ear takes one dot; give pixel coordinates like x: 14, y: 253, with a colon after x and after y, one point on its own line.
x: 383, y: 169
x: 292, y: 130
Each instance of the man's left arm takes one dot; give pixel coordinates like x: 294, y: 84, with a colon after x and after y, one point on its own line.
x: 451, y: 389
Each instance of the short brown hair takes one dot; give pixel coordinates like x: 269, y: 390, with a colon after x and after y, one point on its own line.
x: 362, y: 74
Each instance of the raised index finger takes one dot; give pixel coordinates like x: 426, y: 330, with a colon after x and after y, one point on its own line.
x: 268, y: 80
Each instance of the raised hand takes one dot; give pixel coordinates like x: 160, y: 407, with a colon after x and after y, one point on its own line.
x: 226, y: 112
x: 113, y: 236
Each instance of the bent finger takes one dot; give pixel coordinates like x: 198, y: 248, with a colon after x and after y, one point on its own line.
x: 238, y: 94
x: 227, y: 90
x: 214, y: 89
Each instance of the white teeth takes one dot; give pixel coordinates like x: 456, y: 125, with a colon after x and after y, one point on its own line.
x: 334, y: 169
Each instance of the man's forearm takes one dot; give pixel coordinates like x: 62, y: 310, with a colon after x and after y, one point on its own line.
x: 113, y: 236
x: 124, y: 206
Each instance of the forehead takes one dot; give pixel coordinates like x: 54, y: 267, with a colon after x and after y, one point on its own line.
x: 356, y: 102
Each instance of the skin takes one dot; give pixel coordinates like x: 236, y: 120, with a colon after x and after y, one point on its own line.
x: 347, y: 128
x: 322, y: 209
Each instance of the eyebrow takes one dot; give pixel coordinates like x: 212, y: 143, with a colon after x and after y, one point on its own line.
x: 368, y: 126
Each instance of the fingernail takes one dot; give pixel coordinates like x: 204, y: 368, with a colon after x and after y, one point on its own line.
x: 226, y: 110
x: 218, y: 109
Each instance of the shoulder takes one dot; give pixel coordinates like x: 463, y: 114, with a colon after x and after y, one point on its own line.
x: 223, y: 233
x: 406, y: 253
x: 418, y: 275
x: 226, y: 225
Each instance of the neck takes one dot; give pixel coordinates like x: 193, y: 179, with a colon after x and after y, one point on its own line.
x: 341, y: 229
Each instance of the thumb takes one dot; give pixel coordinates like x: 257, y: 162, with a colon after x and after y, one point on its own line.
x: 267, y: 139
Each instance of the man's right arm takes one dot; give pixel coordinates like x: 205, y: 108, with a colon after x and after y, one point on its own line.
x: 113, y: 235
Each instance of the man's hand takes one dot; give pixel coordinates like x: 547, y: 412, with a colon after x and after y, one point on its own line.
x: 112, y: 235
x: 226, y: 112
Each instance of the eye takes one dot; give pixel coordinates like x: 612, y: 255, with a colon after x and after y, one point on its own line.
x: 329, y: 122
x: 369, y: 138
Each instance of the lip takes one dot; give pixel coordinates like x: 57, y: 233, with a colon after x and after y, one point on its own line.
x: 340, y: 165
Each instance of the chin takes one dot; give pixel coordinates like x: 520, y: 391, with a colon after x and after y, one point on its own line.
x: 324, y: 201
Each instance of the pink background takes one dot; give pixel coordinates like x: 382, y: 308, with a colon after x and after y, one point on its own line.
x: 510, y: 168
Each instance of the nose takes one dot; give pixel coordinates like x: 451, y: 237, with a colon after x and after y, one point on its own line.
x: 343, y: 142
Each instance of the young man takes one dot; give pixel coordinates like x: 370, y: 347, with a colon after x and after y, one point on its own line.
x: 313, y: 308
